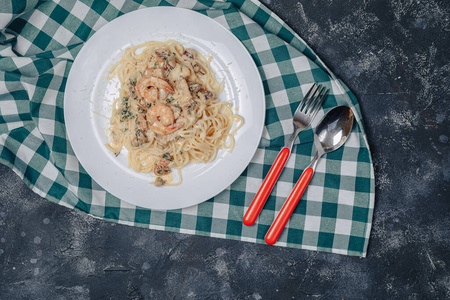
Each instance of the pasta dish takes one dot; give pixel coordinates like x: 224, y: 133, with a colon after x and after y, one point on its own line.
x: 167, y: 113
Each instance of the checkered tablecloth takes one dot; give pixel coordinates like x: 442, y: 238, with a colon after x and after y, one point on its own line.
x: 39, y: 41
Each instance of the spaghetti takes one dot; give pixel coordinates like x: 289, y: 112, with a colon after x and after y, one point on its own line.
x: 167, y: 113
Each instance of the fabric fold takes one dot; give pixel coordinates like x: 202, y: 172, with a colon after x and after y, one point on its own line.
x: 38, y: 44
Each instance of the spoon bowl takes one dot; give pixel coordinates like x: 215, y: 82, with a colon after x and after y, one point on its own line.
x: 334, y: 129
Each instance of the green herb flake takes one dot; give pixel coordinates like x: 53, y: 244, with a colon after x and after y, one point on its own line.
x: 125, y: 114
x: 167, y: 156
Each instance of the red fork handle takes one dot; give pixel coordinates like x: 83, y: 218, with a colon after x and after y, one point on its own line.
x: 288, y: 207
x: 260, y: 199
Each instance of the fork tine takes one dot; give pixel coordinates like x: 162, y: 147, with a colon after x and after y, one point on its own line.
x: 300, y: 106
x: 319, y: 103
x: 311, y: 98
x: 314, y: 99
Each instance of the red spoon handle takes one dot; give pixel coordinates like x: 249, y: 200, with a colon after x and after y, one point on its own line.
x: 266, y: 187
x: 288, y: 207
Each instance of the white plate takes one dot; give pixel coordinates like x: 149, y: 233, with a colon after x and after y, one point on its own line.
x: 89, y: 96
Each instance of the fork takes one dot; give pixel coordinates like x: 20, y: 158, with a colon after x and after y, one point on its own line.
x: 305, y: 113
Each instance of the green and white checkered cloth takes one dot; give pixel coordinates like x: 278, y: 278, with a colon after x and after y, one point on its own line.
x: 39, y: 41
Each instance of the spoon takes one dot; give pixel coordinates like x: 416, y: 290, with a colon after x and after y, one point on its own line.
x: 331, y: 133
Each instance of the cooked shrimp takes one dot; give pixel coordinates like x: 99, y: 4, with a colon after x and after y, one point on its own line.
x: 147, y: 88
x: 149, y: 95
x: 161, y: 119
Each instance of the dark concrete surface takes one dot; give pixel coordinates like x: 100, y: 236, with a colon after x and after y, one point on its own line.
x: 394, y: 55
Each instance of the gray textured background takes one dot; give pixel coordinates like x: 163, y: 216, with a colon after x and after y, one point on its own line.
x: 394, y: 55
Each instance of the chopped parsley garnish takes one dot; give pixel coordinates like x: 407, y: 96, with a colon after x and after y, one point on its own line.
x: 124, y: 112
x: 170, y: 99
x: 167, y: 156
